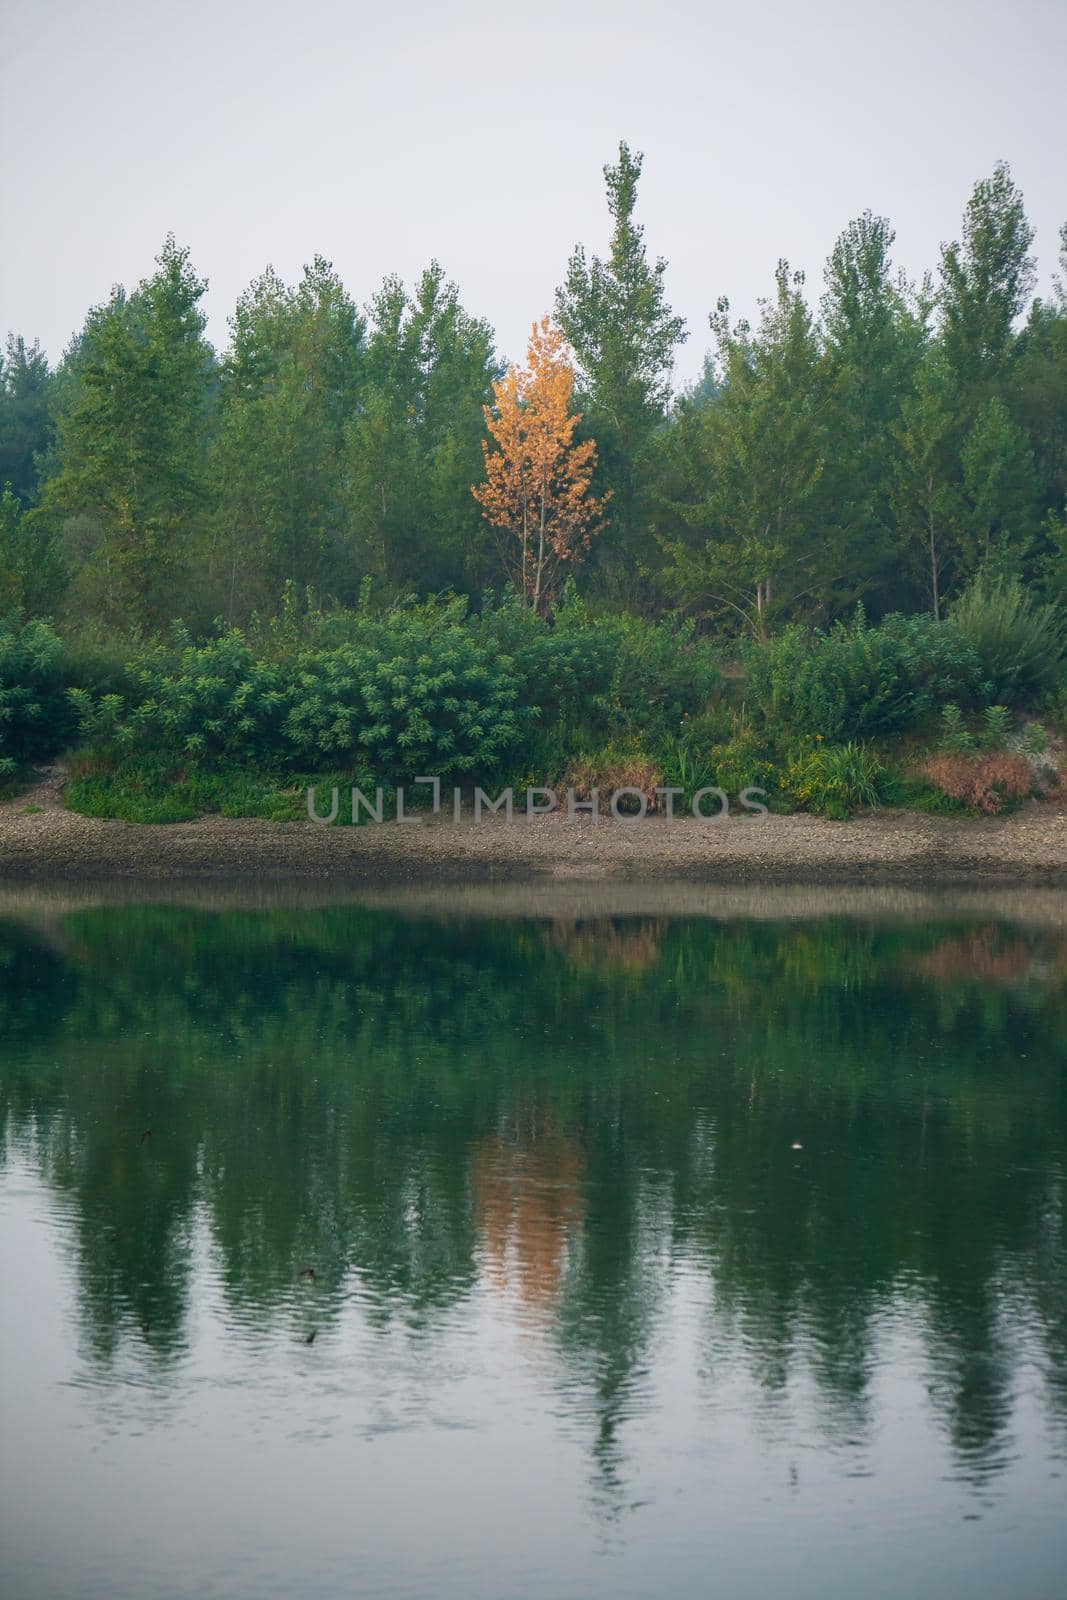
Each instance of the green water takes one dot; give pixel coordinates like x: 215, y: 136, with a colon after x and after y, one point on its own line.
x: 584, y: 1322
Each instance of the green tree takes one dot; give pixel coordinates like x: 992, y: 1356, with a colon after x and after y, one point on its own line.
x: 25, y: 420
x: 615, y: 315
x: 32, y: 573
x: 129, y: 481
x: 1039, y: 398
x: 924, y: 491
x: 985, y: 282
x: 292, y: 377
x: 758, y: 540
x: 964, y: 486
x: 10, y: 554
x: 414, y: 445
x: 1054, y: 565
x: 1000, y: 492
x: 873, y: 333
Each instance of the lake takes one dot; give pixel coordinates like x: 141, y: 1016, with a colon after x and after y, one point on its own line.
x: 354, y: 1250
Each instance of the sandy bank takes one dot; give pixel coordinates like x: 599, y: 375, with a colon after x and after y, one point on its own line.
x: 58, y: 846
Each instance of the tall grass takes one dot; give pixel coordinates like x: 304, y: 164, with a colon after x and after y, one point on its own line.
x: 1020, y: 644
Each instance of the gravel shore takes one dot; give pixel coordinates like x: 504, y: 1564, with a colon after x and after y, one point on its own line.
x: 41, y: 841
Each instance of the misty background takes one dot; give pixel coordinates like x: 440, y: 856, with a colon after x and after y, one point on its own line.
x: 382, y: 137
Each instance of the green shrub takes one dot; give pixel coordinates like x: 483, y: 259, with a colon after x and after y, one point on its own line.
x: 744, y: 761
x: 1033, y: 739
x: 565, y: 670
x: 412, y: 692
x: 36, y: 717
x: 715, y: 725
x: 908, y: 790
x: 422, y: 689
x: 996, y: 727
x: 688, y: 766
x: 954, y: 737
x: 1018, y: 642
x: 856, y: 681
x: 662, y: 672
x: 596, y: 678
x: 409, y: 695
x: 208, y: 702
x: 718, y: 749
x: 103, y: 663
x: 833, y: 780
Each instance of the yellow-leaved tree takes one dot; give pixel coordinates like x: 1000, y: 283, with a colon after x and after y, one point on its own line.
x: 537, y: 480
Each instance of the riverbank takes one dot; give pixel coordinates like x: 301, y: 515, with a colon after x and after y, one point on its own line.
x: 41, y: 841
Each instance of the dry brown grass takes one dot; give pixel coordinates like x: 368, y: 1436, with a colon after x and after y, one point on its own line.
x: 985, y: 782
x: 608, y: 776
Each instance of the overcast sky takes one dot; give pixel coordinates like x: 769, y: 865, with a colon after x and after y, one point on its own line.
x: 382, y: 135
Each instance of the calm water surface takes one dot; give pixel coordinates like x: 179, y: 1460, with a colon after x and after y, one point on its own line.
x: 651, y: 1257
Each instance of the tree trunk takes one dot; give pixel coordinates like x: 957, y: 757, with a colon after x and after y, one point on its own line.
x: 525, y: 535
x: 763, y: 595
x: 935, y: 577
x: 540, y: 556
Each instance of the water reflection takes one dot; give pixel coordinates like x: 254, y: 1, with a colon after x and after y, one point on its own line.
x: 527, y: 1183
x: 764, y: 1166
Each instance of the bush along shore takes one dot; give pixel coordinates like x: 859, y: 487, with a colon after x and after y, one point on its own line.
x: 963, y: 716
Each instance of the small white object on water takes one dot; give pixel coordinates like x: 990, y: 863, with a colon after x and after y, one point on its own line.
x: 796, y: 1145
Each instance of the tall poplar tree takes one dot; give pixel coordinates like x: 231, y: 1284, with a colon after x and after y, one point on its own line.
x: 615, y: 315
x: 985, y: 284
x: 873, y: 328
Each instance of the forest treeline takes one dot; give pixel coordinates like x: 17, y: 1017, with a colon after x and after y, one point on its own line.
x: 881, y: 441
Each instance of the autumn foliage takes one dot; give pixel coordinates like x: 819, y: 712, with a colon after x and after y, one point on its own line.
x: 537, y: 479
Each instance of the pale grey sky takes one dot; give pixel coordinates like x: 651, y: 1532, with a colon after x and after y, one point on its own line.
x: 383, y: 135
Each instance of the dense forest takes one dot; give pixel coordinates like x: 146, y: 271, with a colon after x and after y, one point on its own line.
x: 853, y: 471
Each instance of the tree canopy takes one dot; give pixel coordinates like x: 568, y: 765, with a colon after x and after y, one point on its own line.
x: 882, y: 442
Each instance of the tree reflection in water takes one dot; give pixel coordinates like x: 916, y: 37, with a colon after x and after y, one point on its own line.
x: 576, y: 1118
